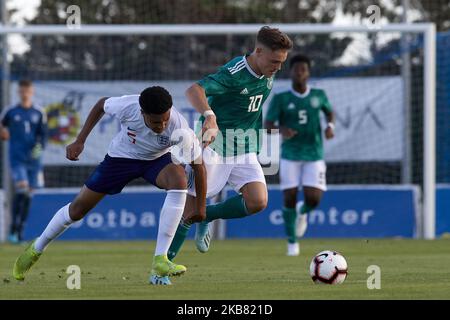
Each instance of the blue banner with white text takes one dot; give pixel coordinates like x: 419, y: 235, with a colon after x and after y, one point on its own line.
x: 358, y: 212
x: 124, y: 216
x: 349, y: 212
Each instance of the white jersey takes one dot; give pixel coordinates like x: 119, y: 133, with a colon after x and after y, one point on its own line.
x: 137, y: 141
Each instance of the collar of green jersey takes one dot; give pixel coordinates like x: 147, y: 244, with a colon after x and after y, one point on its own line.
x: 301, y: 95
x: 253, y: 73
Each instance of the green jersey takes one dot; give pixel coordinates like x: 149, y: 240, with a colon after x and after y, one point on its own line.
x: 236, y: 93
x: 300, y: 112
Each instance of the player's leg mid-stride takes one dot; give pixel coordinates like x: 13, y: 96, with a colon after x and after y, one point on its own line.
x: 152, y: 109
x: 85, y: 201
x: 252, y: 199
x: 297, y: 112
x: 162, y: 268
x: 230, y: 102
x: 25, y: 261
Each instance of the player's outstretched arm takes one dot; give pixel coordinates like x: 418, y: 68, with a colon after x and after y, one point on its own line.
x: 74, y: 150
x: 200, y: 189
x: 197, y: 97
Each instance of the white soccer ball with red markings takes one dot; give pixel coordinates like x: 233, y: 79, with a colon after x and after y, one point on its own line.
x: 328, y: 267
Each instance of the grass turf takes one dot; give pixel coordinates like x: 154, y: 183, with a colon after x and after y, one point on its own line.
x: 233, y: 269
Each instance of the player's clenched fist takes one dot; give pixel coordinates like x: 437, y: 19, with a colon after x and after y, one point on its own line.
x: 196, y: 217
x: 209, y: 130
x: 287, y: 133
x: 74, y: 150
x: 329, y: 133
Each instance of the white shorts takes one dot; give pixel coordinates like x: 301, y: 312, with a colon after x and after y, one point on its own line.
x: 237, y: 171
x: 304, y: 173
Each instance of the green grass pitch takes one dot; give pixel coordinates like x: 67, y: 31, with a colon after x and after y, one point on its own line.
x: 233, y: 269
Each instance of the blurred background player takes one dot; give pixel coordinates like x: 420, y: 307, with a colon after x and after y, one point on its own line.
x: 231, y: 99
x: 24, y: 125
x: 150, y: 126
x: 297, y: 112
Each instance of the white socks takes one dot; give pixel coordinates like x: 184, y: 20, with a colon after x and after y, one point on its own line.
x: 169, y: 219
x: 59, y: 223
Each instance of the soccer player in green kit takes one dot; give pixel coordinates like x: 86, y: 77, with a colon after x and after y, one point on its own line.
x: 230, y: 103
x: 297, y: 112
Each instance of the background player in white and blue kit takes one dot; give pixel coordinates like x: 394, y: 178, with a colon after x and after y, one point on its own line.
x: 153, y: 142
x: 24, y: 125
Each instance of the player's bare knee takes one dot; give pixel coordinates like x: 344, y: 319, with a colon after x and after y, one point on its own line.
x: 290, y: 198
x: 173, y: 178
x: 312, y: 202
x: 290, y: 201
x: 178, y: 182
x: 256, y: 205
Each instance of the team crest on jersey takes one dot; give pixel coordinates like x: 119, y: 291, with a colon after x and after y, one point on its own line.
x: 315, y: 102
x: 16, y: 117
x: 270, y: 83
x: 163, y: 141
x: 291, y: 106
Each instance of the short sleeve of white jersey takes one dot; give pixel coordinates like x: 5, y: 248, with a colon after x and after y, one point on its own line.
x: 186, y: 147
x: 119, y: 107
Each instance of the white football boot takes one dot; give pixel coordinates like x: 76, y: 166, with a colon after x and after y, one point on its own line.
x: 301, y: 223
x: 293, y: 249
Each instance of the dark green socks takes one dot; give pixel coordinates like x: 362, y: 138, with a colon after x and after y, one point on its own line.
x: 231, y: 208
x: 178, y: 240
x: 289, y: 216
x: 305, y: 208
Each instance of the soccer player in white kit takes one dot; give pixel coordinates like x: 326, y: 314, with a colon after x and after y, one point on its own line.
x: 153, y: 143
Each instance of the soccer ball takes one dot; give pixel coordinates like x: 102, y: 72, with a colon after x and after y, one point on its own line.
x: 328, y: 267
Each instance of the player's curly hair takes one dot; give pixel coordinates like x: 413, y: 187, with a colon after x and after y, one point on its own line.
x: 300, y: 58
x: 155, y: 100
x: 274, y: 39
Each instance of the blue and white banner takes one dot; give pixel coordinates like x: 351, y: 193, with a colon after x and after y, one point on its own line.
x: 129, y: 215
x: 369, y: 115
x: 344, y: 212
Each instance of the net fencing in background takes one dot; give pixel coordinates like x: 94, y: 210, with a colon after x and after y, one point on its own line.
x: 360, y: 72
x: 118, y: 58
x: 378, y: 99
